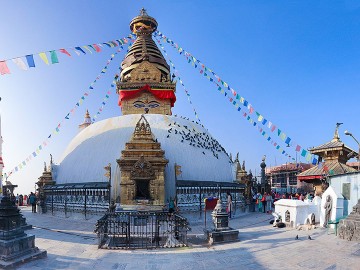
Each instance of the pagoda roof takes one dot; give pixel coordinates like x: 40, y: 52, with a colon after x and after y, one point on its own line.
x: 333, y: 144
x: 318, y: 172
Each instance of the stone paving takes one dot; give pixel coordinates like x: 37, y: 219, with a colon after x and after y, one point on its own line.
x: 71, y: 244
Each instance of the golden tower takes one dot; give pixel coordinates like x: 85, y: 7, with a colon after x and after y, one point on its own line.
x: 145, y: 84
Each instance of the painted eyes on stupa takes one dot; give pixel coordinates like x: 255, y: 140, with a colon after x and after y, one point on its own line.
x: 151, y: 104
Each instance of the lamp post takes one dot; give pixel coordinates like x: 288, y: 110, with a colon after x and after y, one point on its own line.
x: 358, y: 154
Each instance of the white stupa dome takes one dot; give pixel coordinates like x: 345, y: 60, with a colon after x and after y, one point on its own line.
x: 185, y: 143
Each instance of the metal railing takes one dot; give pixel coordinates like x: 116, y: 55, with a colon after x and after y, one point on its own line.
x: 141, y: 230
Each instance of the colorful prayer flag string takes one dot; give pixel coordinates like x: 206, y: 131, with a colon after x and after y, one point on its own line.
x: 41, y: 146
x: 181, y: 82
x: 212, y: 76
x: 51, y: 56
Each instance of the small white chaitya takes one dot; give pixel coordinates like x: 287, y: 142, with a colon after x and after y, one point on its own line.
x: 298, y: 212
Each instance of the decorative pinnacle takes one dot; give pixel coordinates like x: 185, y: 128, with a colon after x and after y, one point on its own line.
x: 143, y: 12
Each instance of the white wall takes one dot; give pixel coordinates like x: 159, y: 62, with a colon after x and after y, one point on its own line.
x: 337, y: 181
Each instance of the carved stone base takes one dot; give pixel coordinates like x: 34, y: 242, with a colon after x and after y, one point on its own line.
x: 223, y: 236
x: 349, y: 228
x: 19, y: 250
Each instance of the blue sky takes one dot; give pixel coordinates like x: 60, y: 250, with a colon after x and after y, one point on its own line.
x: 296, y: 62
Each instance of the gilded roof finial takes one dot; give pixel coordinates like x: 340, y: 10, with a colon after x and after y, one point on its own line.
x: 336, y: 133
x: 143, y: 12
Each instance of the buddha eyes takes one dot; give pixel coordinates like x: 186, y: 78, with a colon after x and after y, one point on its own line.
x: 139, y: 104
x: 151, y: 104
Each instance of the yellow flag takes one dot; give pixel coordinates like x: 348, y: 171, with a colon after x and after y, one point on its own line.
x: 44, y: 57
x: 87, y: 48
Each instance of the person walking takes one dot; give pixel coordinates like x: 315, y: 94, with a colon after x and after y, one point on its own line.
x: 269, y: 201
x: 260, y: 203
x: 32, y: 201
x: 263, y: 200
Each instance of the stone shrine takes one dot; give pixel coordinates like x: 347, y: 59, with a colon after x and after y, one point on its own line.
x: 15, y: 245
x: 222, y: 232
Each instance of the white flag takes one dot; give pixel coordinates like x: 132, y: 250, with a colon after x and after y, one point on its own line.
x: 20, y: 63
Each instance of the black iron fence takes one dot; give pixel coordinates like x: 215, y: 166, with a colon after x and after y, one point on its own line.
x: 141, y: 230
x: 68, y: 199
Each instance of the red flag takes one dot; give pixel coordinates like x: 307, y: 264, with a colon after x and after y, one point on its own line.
x: 298, y: 147
x: 65, y: 52
x: 4, y: 68
x: 97, y: 48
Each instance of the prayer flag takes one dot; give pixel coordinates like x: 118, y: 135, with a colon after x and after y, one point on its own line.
x: 251, y: 109
x: 30, y: 60
x: 65, y: 52
x: 79, y: 49
x: 4, y: 68
x: 245, y: 103
x: 108, y: 44
x: 273, y: 128
x: 97, y: 48
x: 87, y: 48
x: 320, y: 165
x: 91, y: 46
x: 314, y: 161
x: 54, y: 58
x: 283, y: 136
x: 44, y: 57
x: 269, y: 124
x: 279, y: 132
x: 298, y: 147
x: 308, y: 156
x: 287, y: 141
x: 303, y: 152
x: 264, y: 121
x: 20, y: 63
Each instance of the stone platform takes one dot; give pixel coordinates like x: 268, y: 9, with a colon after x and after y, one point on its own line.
x: 71, y: 244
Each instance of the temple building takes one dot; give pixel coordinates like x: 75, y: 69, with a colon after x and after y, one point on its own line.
x: 333, y: 156
x: 146, y: 156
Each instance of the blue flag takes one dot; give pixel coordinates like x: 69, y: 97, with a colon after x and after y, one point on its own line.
x: 30, y: 60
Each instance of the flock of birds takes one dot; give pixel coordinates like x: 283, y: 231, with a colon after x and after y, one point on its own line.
x: 190, y: 136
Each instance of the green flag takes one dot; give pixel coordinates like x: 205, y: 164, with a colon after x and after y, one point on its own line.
x: 54, y: 58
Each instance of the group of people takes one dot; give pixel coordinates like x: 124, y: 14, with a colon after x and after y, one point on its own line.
x: 26, y: 200
x: 265, y: 201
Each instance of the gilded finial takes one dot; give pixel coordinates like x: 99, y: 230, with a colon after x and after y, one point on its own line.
x: 336, y: 133
x: 143, y: 12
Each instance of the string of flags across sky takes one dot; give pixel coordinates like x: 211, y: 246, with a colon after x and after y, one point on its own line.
x: 51, y: 57
x: 238, y: 100
x: 57, y: 129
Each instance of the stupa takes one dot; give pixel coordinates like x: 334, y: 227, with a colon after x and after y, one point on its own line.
x: 153, y: 155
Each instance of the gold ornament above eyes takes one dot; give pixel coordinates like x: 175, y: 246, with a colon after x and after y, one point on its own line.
x: 140, y: 26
